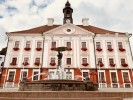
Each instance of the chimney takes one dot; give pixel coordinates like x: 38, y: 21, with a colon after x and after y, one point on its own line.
x: 50, y: 21
x: 85, y: 21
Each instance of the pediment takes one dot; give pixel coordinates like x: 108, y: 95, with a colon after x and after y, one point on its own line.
x: 69, y: 29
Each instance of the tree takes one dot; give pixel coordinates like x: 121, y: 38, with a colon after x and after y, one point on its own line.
x: 3, y: 51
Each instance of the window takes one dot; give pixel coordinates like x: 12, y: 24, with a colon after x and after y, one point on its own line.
x: 120, y: 45
x: 84, y: 60
x: 98, y: 45
x: 39, y: 44
x: 123, y: 61
x: 99, y: 60
x: 85, y: 74
x: 69, y: 75
x: 101, y: 77
x: 52, y: 60
x: 11, y: 76
x: 109, y: 45
x: 51, y: 74
x: 28, y: 44
x: 53, y: 45
x: 83, y: 44
x: 111, y: 61
x: 16, y: 44
x: 113, y: 77
x: 68, y: 44
x: 68, y: 61
x: 35, y: 77
x: 14, y: 60
x: 37, y: 60
x: 26, y: 59
x: 24, y: 75
x: 126, y: 77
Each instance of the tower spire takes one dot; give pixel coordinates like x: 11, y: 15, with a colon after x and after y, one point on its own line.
x: 67, y: 13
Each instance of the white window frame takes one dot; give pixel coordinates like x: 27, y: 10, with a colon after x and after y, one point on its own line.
x: 107, y: 44
x: 102, y: 84
x: 41, y: 43
x: 72, y: 71
x: 116, y: 78
x: 88, y: 71
x: 70, y: 42
x: 23, y: 70
x: 123, y: 58
x: 36, y: 70
x: 71, y: 61
x: 15, y: 43
x: 12, y: 58
x: 10, y: 70
x: 26, y: 43
x: 40, y: 59
x: 123, y: 77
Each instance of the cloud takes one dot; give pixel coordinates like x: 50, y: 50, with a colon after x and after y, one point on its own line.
x: 114, y: 15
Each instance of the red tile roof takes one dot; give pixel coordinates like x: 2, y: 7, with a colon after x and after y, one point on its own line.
x: 45, y: 28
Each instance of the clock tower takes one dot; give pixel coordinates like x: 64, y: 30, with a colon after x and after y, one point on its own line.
x: 67, y: 13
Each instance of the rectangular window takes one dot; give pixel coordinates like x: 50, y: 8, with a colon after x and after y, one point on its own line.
x: 83, y: 44
x: 39, y: 44
x: 37, y: 60
x: 85, y: 74
x: 24, y: 74
x: 101, y: 77
x: 113, y: 77
x: 99, y: 60
x: 28, y: 44
x: 98, y: 45
x: 26, y: 59
x: 11, y: 76
x: 120, y: 45
x: 111, y: 61
x: 126, y: 77
x: 53, y: 45
x: 68, y: 44
x: 52, y: 60
x: 69, y: 75
x: 68, y: 61
x: 109, y: 46
x: 123, y: 61
x: 14, y: 60
x: 35, y: 77
x: 16, y: 44
x: 84, y: 60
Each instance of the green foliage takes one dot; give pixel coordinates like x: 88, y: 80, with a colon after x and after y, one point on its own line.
x: 3, y: 51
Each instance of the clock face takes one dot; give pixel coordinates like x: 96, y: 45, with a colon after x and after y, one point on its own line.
x: 68, y: 21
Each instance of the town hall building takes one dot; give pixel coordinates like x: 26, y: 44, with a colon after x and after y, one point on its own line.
x: 102, y: 55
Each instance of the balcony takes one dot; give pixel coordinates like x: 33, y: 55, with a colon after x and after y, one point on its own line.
x: 110, y: 49
x: 124, y: 65
x: 38, y: 49
x: 112, y: 65
x: 15, y: 49
x: 36, y: 63
x: 52, y: 64
x: 27, y: 48
x: 25, y: 63
x: 13, y: 64
x: 84, y: 49
x: 99, y: 49
x: 122, y: 49
x: 85, y: 64
x: 69, y: 49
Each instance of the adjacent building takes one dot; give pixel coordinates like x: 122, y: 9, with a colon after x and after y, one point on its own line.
x: 102, y: 55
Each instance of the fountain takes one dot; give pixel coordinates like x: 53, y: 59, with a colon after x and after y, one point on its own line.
x: 60, y: 83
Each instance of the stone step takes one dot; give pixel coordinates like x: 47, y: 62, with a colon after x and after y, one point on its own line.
x: 91, y: 98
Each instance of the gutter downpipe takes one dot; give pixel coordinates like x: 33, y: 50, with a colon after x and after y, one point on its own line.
x: 95, y: 57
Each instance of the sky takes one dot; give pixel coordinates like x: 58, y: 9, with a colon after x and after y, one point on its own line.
x: 16, y: 15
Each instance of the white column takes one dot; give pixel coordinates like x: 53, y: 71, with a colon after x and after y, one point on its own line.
x: 32, y: 52
x: 78, y: 53
x: 92, y: 54
x: 74, y: 56
x: 21, y: 52
x: 45, y: 54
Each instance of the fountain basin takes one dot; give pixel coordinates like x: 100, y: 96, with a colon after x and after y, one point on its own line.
x: 58, y: 85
